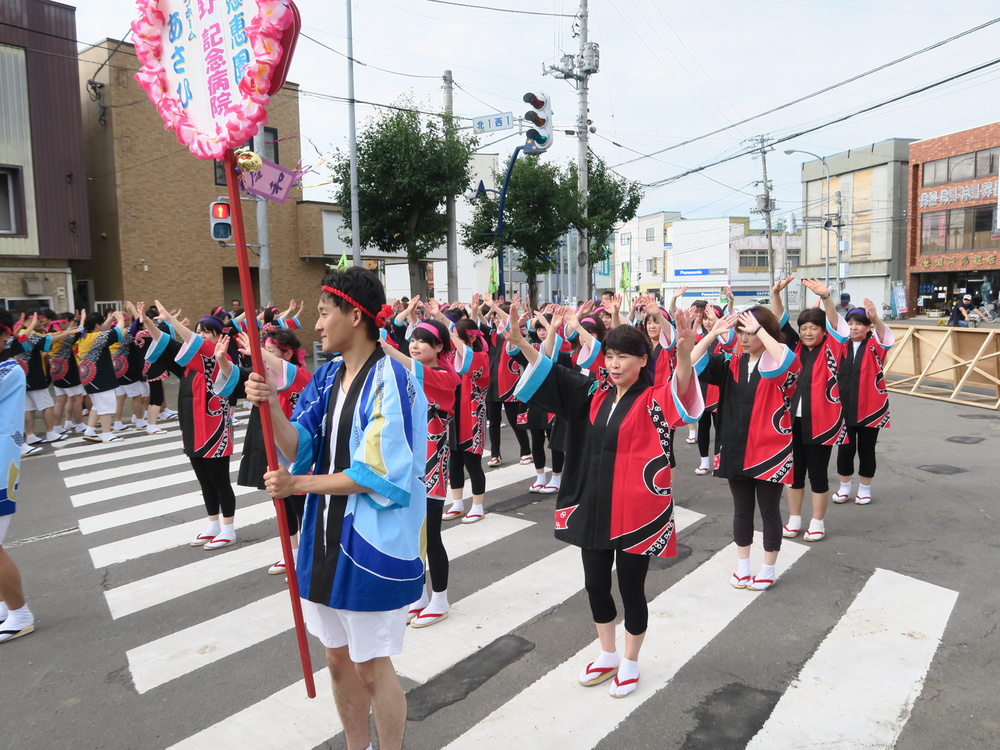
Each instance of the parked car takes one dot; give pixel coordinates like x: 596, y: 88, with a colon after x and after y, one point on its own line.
x: 760, y: 301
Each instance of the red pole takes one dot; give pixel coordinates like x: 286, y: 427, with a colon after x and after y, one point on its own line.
x: 246, y: 285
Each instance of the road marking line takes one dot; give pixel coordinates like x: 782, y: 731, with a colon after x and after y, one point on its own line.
x: 287, y: 719
x: 120, y: 452
x: 556, y: 711
x: 158, y: 662
x: 154, y: 509
x: 859, y: 687
x: 139, y: 487
x: 145, y: 467
x: 172, y: 584
x: 173, y: 537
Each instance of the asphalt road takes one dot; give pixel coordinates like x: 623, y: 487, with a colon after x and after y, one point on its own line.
x: 885, y: 630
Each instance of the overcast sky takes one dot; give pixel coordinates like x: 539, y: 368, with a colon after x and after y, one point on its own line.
x: 669, y: 71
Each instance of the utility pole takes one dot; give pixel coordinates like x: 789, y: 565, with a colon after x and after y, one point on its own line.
x: 352, y: 135
x: 578, y: 70
x: 263, y: 237
x: 840, y: 227
x: 765, y: 205
x: 450, y: 203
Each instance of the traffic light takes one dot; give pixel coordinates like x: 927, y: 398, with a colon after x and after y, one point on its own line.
x: 220, y: 221
x: 540, y: 117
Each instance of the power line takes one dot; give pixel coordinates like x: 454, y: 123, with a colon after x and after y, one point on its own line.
x: 865, y: 110
x: 504, y: 10
x: 363, y: 64
x: 816, y: 93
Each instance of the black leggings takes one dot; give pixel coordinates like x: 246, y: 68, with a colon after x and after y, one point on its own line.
x: 294, y: 508
x: 213, y: 476
x: 493, y: 414
x: 768, y: 497
x: 708, y: 419
x: 471, y: 462
x: 862, y: 441
x: 437, y: 556
x: 809, y: 458
x: 632, y: 569
x: 156, y: 393
x: 538, y: 452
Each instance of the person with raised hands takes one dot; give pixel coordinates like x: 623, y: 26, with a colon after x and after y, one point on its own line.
x: 430, y: 362
x: 756, y: 450
x: 817, y: 416
x: 205, y: 416
x: 864, y: 397
x: 499, y: 396
x: 616, y: 503
x: 725, y: 344
x: 97, y: 373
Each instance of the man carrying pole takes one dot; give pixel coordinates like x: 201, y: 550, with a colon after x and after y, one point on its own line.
x: 355, y: 447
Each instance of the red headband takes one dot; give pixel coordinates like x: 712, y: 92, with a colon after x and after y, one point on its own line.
x: 379, y: 319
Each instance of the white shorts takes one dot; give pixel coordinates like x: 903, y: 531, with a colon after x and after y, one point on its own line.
x: 37, y: 400
x: 104, y: 402
x: 5, y: 522
x: 133, y: 389
x: 367, y: 635
x: 75, y: 390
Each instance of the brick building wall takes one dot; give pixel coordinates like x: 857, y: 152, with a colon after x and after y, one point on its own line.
x: 955, y: 266
x: 150, y: 205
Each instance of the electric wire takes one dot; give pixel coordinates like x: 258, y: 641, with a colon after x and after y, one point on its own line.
x: 503, y: 10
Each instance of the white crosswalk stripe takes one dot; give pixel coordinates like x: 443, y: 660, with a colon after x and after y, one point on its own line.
x: 857, y: 688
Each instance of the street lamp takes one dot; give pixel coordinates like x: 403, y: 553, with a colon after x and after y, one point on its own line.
x: 827, y: 168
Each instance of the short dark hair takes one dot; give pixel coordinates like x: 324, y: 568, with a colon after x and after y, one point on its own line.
x: 767, y: 320
x: 463, y: 329
x: 7, y: 320
x: 93, y: 320
x: 363, y: 287
x: 533, y: 332
x: 631, y: 340
x: 812, y: 315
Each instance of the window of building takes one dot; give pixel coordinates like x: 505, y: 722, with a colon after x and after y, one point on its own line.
x: 960, y: 228
x: 625, y: 238
x: 983, y: 223
x: 792, y: 257
x: 11, y: 196
x: 961, y: 168
x: 651, y: 265
x: 650, y: 234
x: 935, y: 172
x: 933, y: 231
x: 987, y: 162
x: 752, y: 259
x: 270, y: 153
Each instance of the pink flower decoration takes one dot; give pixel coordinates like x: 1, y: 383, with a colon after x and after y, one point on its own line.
x: 242, y: 118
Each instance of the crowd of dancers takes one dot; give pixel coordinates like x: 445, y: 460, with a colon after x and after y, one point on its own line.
x: 377, y: 442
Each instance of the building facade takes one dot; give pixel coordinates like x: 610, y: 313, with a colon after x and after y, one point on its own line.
x: 44, y: 223
x: 149, y: 203
x: 639, y: 246
x: 866, y: 203
x: 953, y: 244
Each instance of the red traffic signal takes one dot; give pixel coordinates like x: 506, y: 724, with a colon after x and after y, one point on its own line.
x: 534, y: 100
x: 539, y: 136
x: 220, y: 210
x: 220, y: 221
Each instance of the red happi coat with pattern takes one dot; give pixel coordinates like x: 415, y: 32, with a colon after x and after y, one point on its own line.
x: 756, y: 420
x: 862, y: 384
x: 471, y: 403
x: 616, y: 489
x: 817, y: 388
x: 439, y: 388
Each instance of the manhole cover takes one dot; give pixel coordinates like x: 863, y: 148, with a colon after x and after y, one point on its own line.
x: 965, y: 439
x: 979, y: 416
x: 942, y: 469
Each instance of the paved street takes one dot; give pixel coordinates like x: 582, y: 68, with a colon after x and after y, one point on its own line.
x: 881, y: 635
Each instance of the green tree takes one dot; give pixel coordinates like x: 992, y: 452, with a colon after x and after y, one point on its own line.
x: 407, y: 167
x: 542, y: 204
x: 611, y: 201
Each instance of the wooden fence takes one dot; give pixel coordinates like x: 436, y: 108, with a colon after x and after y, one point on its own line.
x: 958, y: 365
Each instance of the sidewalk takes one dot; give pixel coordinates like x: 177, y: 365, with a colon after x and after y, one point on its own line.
x: 924, y: 320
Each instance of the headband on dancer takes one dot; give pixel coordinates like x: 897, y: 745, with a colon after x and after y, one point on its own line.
x: 208, y: 320
x: 431, y: 329
x: 379, y: 318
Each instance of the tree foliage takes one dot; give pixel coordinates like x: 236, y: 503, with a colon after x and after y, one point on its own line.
x: 407, y: 168
x: 542, y: 204
x: 612, y: 200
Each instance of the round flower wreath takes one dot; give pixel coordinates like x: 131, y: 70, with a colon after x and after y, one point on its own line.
x: 241, y: 118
